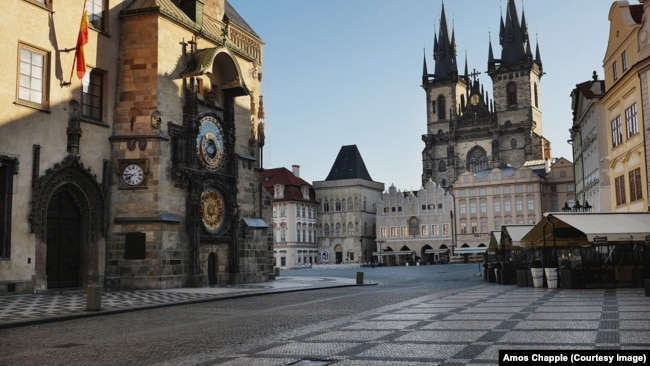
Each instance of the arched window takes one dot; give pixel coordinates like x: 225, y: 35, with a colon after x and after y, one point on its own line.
x: 350, y: 206
x: 326, y: 230
x: 338, y: 205
x: 477, y: 159
x: 338, y: 230
x: 326, y: 206
x: 442, y: 166
x: 442, y: 106
x: 350, y: 229
x: 511, y: 92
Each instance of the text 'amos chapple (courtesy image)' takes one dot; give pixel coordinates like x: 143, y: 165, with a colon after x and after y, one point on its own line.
x: 573, y: 357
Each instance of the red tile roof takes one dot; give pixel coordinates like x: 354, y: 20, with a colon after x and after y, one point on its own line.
x: 292, y: 184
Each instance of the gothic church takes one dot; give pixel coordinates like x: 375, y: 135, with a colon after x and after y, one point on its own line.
x: 466, y: 131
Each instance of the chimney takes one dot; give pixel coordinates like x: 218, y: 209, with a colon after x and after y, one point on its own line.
x: 295, y: 169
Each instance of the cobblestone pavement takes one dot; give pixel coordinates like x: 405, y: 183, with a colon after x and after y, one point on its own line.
x: 465, y: 327
x: 19, y: 310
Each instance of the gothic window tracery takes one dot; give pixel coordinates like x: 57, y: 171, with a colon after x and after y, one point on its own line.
x: 477, y: 159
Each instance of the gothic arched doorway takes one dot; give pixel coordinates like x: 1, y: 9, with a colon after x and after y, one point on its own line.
x: 64, y: 251
x: 339, y: 253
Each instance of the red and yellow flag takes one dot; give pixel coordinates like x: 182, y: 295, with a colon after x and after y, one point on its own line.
x: 82, y: 39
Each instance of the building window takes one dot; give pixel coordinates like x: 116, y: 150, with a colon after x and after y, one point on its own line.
x: 462, y: 209
x: 512, y: 93
x: 497, y: 206
x: 383, y: 232
x: 619, y: 188
x: 531, y: 205
x: 283, y: 261
x: 474, y: 228
x: 519, y: 205
x: 424, y: 230
x: 477, y: 159
x: 441, y: 107
x: 506, y: 206
x: 32, y: 84
x: 436, y: 230
x: 283, y: 235
x: 338, y: 205
x: 615, y: 70
x: 518, y: 188
x: 445, y: 229
x: 554, y: 188
x: 7, y: 168
x: 483, y: 207
x: 96, y: 13
x: 393, y: 232
x: 506, y: 190
x: 635, y: 185
x: 535, y: 95
x: 530, y: 188
x: 570, y: 187
x: 496, y: 190
x: 481, y: 191
x: 617, y: 131
x: 472, y: 208
x: 631, y: 122
x: 463, y: 228
x: 624, y: 60
x: 404, y: 231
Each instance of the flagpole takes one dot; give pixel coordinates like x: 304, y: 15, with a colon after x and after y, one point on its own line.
x: 74, y: 60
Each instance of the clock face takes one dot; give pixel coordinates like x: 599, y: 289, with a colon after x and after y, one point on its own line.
x: 133, y: 175
x: 210, y: 144
x: 474, y: 99
x: 213, y: 211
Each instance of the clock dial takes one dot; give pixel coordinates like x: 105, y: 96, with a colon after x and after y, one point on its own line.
x: 213, y: 211
x: 133, y: 175
x: 474, y: 99
x: 209, y: 143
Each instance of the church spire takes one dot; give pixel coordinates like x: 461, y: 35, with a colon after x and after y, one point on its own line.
x: 425, y: 71
x: 513, y: 36
x: 444, y: 52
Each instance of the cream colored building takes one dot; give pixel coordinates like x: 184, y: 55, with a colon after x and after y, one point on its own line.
x: 143, y: 173
x: 489, y: 199
x: 347, y: 214
x: 626, y: 155
x: 295, y: 217
x: 414, y: 226
x: 644, y: 76
x: 54, y: 150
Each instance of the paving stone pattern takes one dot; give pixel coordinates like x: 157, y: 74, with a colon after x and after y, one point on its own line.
x: 467, y: 328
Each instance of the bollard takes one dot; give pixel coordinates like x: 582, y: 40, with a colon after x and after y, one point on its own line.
x: 359, y: 278
x: 276, y: 271
x: 93, y: 297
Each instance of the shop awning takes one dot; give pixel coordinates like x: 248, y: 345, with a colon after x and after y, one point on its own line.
x: 436, y: 251
x: 395, y: 252
x: 469, y: 250
x: 573, y: 229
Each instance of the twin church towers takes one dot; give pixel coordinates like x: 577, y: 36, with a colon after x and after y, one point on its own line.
x: 468, y: 131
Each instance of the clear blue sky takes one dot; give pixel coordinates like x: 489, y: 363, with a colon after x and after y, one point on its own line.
x: 343, y: 72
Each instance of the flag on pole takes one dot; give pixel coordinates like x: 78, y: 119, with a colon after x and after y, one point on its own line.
x: 82, y: 39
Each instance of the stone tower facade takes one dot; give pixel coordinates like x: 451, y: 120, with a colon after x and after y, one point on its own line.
x: 187, y: 205
x: 466, y: 131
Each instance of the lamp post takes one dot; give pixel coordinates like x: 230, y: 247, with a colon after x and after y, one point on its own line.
x: 577, y: 207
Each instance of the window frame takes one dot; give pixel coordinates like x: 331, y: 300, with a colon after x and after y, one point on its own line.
x: 631, y: 121
x: 44, y: 102
x: 8, y: 168
x: 617, y: 131
x: 97, y: 102
x: 636, y: 187
x: 97, y: 13
x: 619, y: 190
